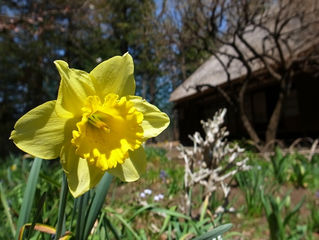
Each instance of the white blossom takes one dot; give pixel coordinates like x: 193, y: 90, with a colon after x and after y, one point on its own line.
x: 142, y: 195
x: 148, y: 191
x: 216, y: 159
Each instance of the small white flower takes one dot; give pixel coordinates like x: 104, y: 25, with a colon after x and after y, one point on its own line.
x: 160, y: 196
x: 219, y: 238
x: 142, y: 195
x: 148, y: 191
x: 98, y: 60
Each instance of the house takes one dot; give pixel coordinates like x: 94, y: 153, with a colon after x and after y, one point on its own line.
x: 203, y: 92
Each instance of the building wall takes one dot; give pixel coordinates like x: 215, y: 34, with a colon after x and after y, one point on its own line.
x: 300, y: 113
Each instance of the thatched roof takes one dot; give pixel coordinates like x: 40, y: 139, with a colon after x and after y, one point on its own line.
x: 212, y: 71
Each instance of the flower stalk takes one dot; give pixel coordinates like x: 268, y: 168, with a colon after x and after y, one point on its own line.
x: 61, y: 214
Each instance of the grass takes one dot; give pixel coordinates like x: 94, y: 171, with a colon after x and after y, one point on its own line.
x: 258, y: 195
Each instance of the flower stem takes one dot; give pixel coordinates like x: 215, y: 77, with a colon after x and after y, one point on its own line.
x: 62, y: 204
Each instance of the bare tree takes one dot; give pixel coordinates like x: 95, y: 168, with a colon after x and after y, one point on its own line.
x: 272, y: 38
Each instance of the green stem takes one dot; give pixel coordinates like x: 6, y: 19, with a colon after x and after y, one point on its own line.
x: 62, y: 204
x: 81, y: 221
x: 97, y: 203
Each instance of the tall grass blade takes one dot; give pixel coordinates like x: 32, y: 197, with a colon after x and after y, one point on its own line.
x: 142, y: 209
x: 112, y: 228
x: 29, y: 193
x: 171, y: 212
x: 127, y: 225
x: 97, y: 203
x: 40, y: 204
x: 6, y: 209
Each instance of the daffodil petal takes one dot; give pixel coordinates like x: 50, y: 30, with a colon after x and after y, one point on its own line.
x: 75, y: 86
x: 154, y: 121
x: 81, y: 176
x: 114, y: 75
x: 132, y: 168
x: 40, y: 132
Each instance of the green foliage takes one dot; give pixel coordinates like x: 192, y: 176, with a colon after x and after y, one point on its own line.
x: 301, y: 173
x: 251, y: 183
x: 214, y: 233
x: 281, y: 219
x: 14, y: 174
x: 312, y: 180
x: 130, y: 217
x: 81, y: 214
x: 34, y: 34
x: 4, y: 202
x: 175, y: 225
x: 313, y: 219
x: 96, y: 203
x: 170, y: 173
x: 29, y: 194
x: 175, y: 181
x: 156, y: 154
x: 280, y: 165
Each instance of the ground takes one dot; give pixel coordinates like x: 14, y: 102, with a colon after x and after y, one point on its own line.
x: 244, y: 227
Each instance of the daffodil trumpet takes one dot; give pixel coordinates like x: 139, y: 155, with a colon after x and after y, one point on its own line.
x: 95, y: 125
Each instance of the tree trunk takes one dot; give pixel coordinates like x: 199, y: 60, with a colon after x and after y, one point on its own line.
x: 247, y: 124
x: 273, y: 123
x: 272, y: 127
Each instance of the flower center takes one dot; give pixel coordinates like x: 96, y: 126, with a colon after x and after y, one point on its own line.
x: 98, y: 121
x: 107, y: 131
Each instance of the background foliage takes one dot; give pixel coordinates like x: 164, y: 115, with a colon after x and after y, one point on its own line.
x: 35, y: 33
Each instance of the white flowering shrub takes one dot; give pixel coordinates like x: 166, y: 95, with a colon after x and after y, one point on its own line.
x: 212, y: 161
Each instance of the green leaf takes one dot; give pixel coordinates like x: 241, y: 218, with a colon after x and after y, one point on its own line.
x: 6, y: 209
x: 62, y: 204
x: 81, y: 218
x: 294, y: 211
x: 170, y: 212
x: 37, y: 215
x: 204, y: 208
x: 166, y: 221
x: 215, y: 232
x: 142, y: 209
x: 29, y: 193
x: 123, y: 221
x: 112, y: 228
x: 97, y: 203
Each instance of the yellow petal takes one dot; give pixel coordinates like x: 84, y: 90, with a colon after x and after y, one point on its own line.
x: 40, y: 132
x: 114, y: 76
x: 81, y: 176
x: 154, y: 121
x: 75, y: 86
x: 132, y: 168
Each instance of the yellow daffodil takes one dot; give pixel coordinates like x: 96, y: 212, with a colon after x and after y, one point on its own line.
x: 95, y: 125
